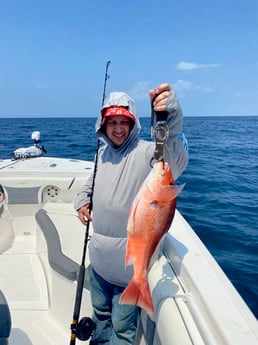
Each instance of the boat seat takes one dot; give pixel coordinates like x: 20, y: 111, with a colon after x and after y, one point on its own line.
x: 18, y: 195
x: 34, y: 190
x: 5, y: 320
x: 60, y: 257
x: 57, y: 260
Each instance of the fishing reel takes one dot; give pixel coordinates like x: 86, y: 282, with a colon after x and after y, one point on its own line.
x: 85, y: 328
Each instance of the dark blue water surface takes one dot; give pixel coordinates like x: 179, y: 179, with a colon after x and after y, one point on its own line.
x: 220, y: 199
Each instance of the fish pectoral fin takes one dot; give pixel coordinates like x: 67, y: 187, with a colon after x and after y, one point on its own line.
x: 180, y: 187
x: 138, y: 294
x: 173, y: 192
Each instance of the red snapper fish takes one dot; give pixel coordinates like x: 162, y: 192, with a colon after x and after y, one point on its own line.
x: 150, y: 217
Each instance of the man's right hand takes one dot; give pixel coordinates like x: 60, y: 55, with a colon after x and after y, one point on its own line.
x: 84, y: 214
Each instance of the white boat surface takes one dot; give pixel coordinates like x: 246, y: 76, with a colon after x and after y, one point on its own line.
x: 41, y: 244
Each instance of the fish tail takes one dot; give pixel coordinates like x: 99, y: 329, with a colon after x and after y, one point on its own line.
x: 138, y: 293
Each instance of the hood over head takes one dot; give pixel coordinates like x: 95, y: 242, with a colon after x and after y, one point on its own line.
x: 117, y: 103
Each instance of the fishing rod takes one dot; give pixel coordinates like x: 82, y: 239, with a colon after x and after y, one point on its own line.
x: 84, y: 328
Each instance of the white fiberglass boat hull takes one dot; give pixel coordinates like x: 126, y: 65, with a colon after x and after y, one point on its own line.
x: 41, y: 243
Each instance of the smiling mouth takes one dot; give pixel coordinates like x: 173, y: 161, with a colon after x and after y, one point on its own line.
x: 119, y: 136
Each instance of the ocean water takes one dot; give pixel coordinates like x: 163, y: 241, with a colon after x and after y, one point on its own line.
x: 220, y: 199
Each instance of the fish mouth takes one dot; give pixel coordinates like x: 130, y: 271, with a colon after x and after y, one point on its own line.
x: 164, y: 168
x: 160, y: 168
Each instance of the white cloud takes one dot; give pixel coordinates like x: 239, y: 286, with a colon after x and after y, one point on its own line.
x: 140, y: 90
x: 208, y: 89
x: 183, y: 85
x: 187, y: 66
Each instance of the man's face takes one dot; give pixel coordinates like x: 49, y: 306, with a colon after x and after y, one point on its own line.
x: 118, y: 129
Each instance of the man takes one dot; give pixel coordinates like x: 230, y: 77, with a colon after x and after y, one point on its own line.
x: 123, y: 164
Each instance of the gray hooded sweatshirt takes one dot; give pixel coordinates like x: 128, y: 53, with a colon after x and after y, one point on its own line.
x: 120, y: 174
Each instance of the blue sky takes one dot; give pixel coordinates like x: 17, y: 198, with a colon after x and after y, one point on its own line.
x: 53, y: 55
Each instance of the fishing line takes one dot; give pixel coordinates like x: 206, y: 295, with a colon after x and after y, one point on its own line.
x: 84, y: 328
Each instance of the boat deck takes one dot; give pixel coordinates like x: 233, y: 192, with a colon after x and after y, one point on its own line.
x: 24, y: 284
x: 35, y: 323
